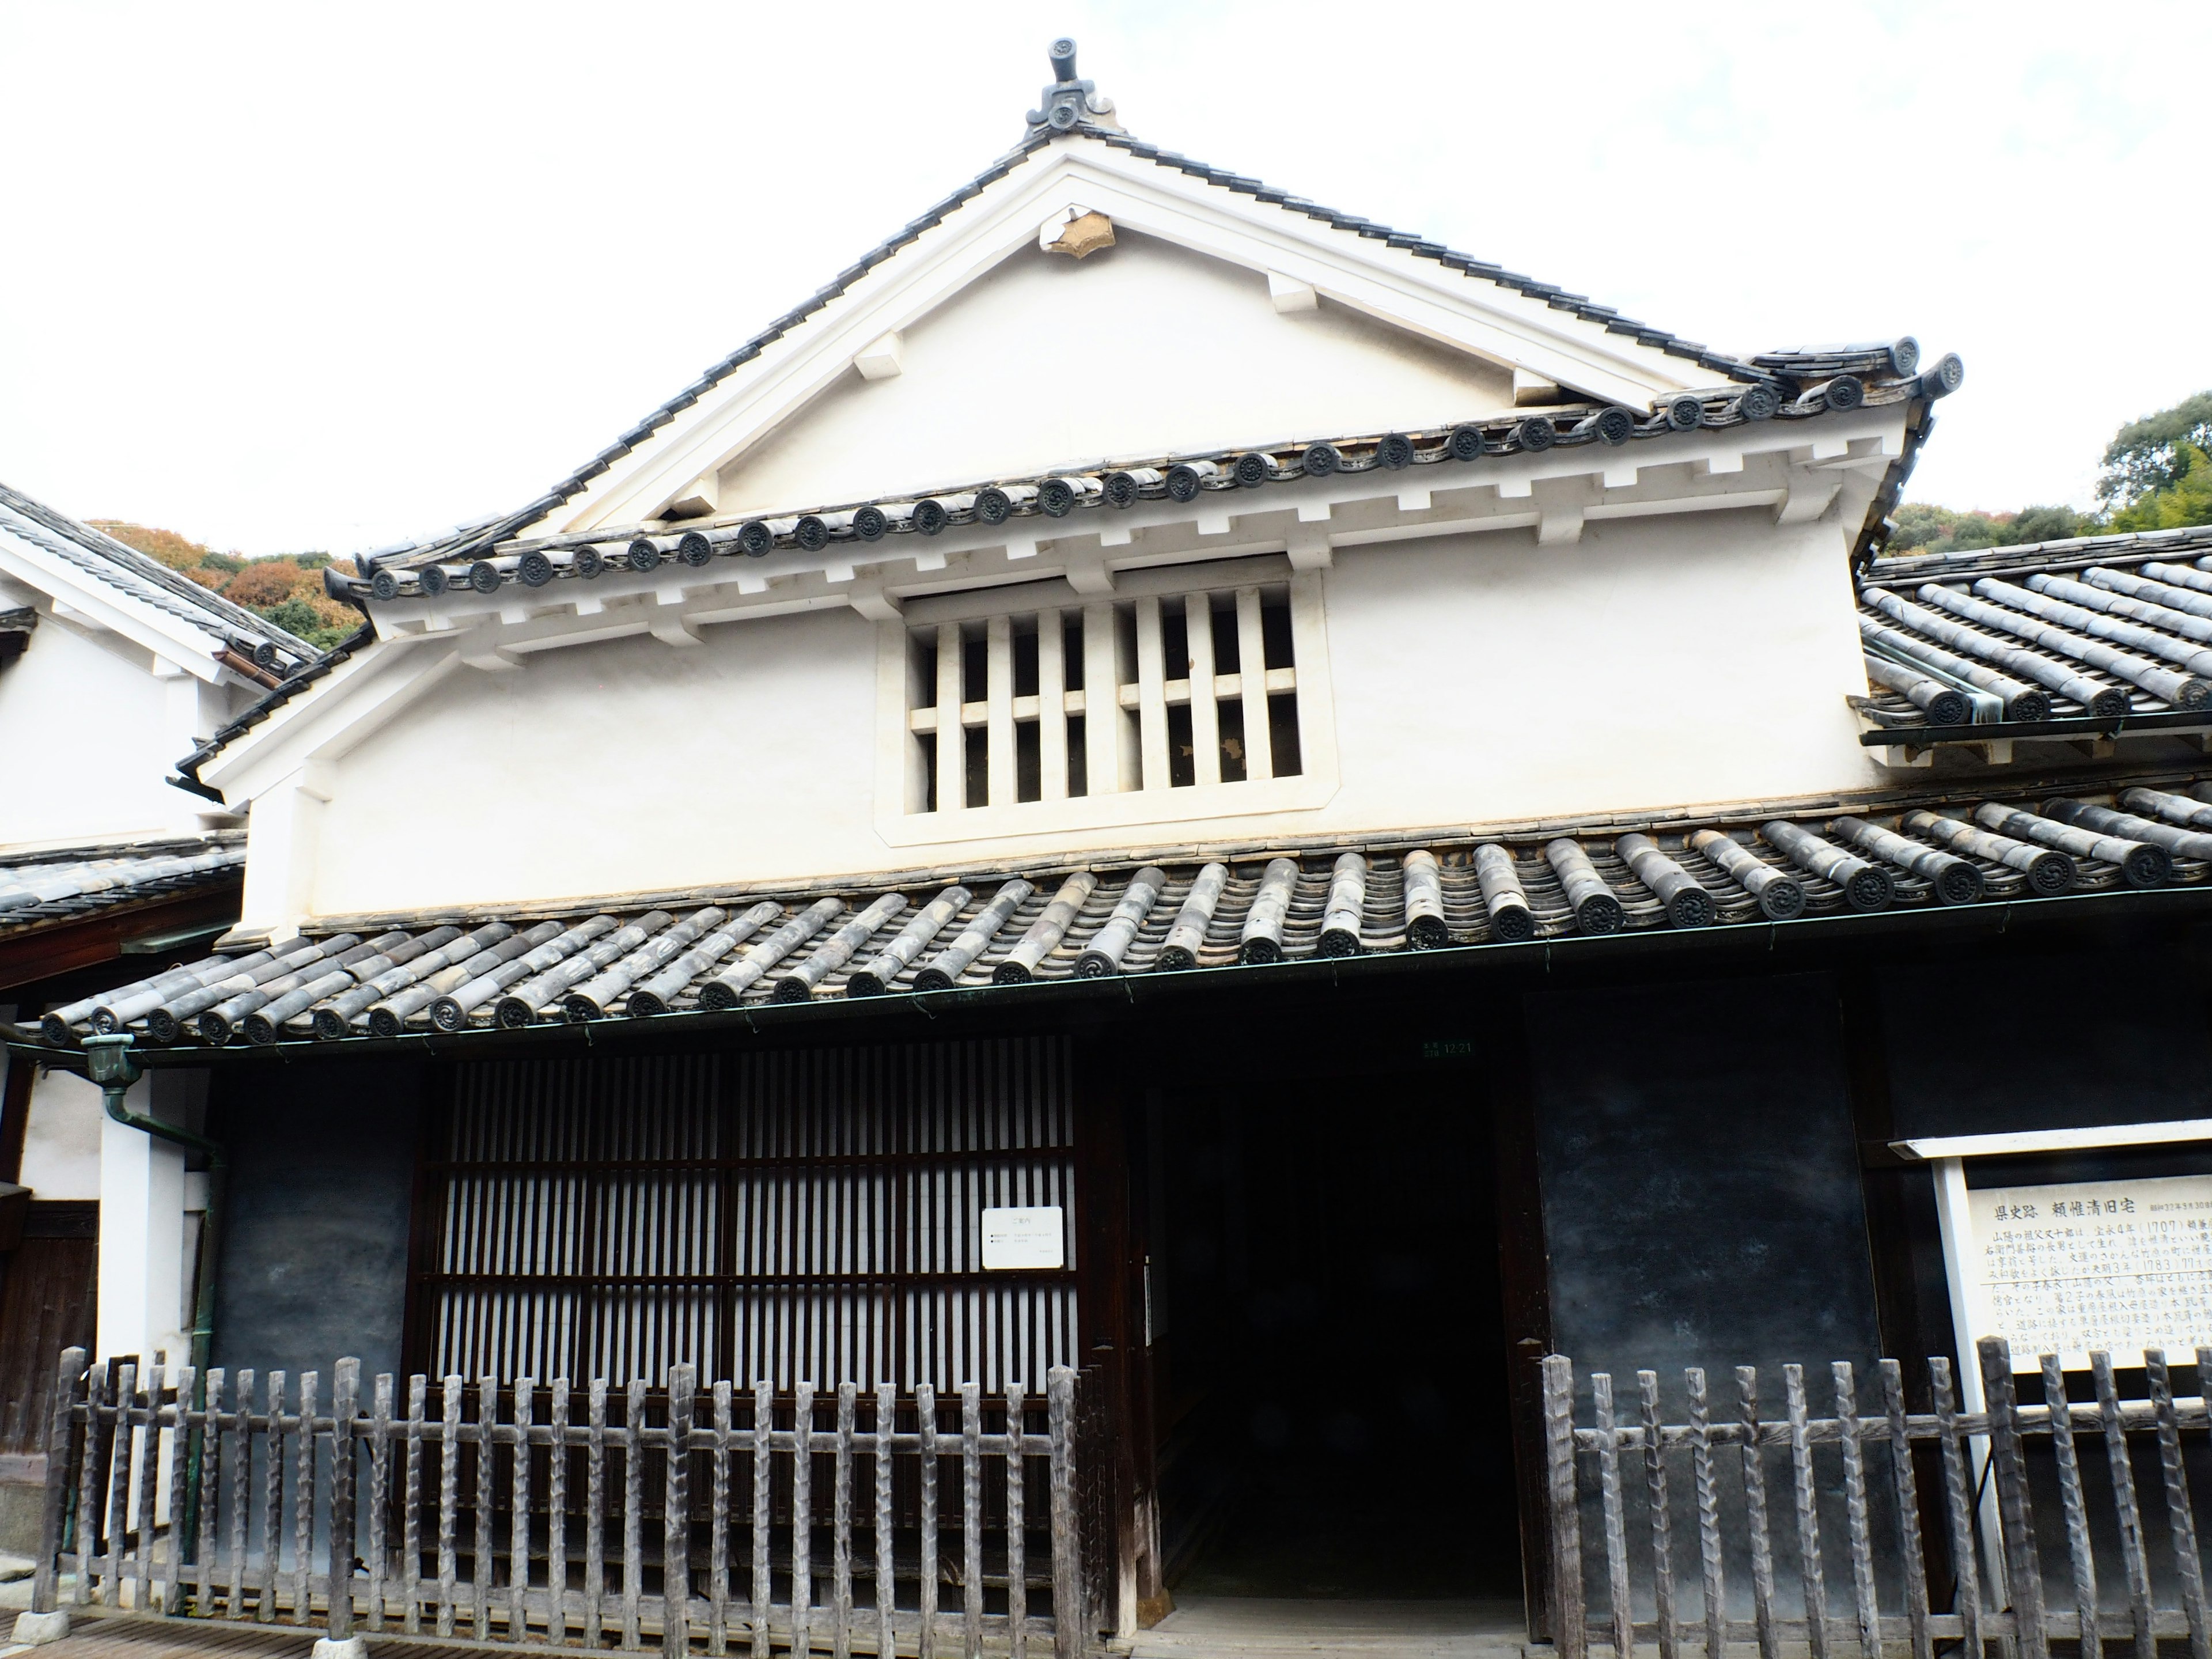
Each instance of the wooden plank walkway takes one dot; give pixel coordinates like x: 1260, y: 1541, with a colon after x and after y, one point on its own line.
x: 113, y: 1637
x: 1258, y: 1627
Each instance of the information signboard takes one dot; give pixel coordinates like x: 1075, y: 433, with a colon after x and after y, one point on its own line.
x: 2117, y: 1265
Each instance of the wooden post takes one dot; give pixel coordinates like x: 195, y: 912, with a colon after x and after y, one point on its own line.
x: 1809, y: 1571
x: 595, y: 1514
x: 482, y: 1558
x: 886, y: 1570
x: 210, y: 1489
x: 2070, y: 1500
x: 410, y: 1511
x: 2127, y: 1512
x: 345, y: 1400
x: 802, y: 1516
x: 841, y: 1523
x: 69, y: 1381
x: 380, y: 1496
x: 633, y: 1537
x: 517, y: 1520
x: 764, y: 1468
x: 676, y: 1514
x: 718, y: 1532
x: 1661, y: 1517
x: 2188, y: 1570
x: 273, y: 1513
x: 1620, y: 1598
x: 1754, y: 1514
x: 1959, y: 1506
x: 303, y: 1500
x: 449, y: 1496
x: 1016, y: 1543
x: 556, y: 1514
x: 2023, y: 1571
x: 1067, y: 1598
x: 242, y: 1490
x: 1709, y: 1515
x: 925, y: 1415
x: 1571, y: 1631
x: 1910, y: 1549
x: 971, y: 1518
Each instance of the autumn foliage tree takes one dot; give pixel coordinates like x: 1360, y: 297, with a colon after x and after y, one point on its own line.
x: 282, y: 587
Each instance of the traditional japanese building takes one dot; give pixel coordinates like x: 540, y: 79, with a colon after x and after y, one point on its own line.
x: 1164, y: 778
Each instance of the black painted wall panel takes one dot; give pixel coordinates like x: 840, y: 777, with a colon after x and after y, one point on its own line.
x: 314, y: 1256
x: 2123, y: 1039
x: 1702, y: 1202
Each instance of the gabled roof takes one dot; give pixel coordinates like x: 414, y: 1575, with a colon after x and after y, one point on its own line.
x: 1072, y: 120
x: 75, y: 563
x: 2080, y: 638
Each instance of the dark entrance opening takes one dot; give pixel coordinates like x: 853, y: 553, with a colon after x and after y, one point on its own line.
x: 1328, y: 1346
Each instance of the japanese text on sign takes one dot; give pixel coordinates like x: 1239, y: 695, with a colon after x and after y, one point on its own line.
x: 2117, y: 1265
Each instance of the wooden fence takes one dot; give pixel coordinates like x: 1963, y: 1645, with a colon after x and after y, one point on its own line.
x: 556, y: 1517
x: 2116, y: 1570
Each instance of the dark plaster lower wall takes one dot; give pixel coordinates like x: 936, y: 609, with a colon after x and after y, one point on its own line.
x: 1994, y: 1061
x: 1702, y: 1200
x: 314, y: 1259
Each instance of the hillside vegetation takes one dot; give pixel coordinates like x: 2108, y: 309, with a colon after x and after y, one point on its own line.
x: 286, y: 588
x: 2155, y: 476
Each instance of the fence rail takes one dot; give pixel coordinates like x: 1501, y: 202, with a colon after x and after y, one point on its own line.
x: 1929, y: 1475
x: 663, y: 1520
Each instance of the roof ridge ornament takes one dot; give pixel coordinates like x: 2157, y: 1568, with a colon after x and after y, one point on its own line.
x: 1068, y: 103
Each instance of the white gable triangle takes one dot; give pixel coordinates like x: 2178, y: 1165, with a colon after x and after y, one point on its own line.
x: 1206, y: 283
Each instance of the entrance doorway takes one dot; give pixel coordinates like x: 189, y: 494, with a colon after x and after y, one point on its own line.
x: 1328, y: 1348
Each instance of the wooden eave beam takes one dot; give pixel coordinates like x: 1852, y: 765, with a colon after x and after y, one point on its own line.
x: 45, y: 950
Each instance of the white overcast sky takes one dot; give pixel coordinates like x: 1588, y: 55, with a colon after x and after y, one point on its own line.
x: 326, y: 276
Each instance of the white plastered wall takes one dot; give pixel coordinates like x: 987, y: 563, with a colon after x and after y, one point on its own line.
x: 1047, y: 361
x: 90, y: 725
x: 1694, y: 659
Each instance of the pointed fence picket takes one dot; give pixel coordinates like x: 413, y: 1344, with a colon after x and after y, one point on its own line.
x: 740, y: 1520
x: 1960, y: 1506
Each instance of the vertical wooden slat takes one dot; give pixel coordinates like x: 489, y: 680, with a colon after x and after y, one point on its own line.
x: 303, y: 1498
x: 718, y: 1536
x: 1052, y: 708
x: 1252, y: 681
x: 1205, y: 715
x: 517, y: 1520
x: 1618, y: 1593
x: 449, y: 1497
x: 1067, y: 1616
x: 345, y: 1400
x: 1959, y: 1505
x: 595, y: 1515
x: 2023, y: 1570
x: 1662, y: 1516
x: 1811, y: 1574
x: 171, y: 1599
x: 1911, y: 1559
x: 121, y: 1462
x: 952, y: 738
x: 676, y: 1547
x: 556, y: 1512
x: 2071, y: 1502
x: 1858, y: 1527
x: 998, y: 710
x: 273, y: 1513
x: 482, y: 1558
x: 210, y: 1491
x: 886, y: 1569
x: 145, y: 1485
x: 633, y: 1541
x: 971, y: 1502
x: 1151, y: 696
x: 1569, y: 1621
x: 764, y: 1591
x: 70, y: 1389
x: 2188, y: 1570
x: 241, y: 1493
x: 410, y: 1510
x: 380, y: 1496
x: 2127, y: 1511
x: 91, y: 1486
x: 1016, y: 1520
x: 802, y: 1516
x: 925, y: 1418
x: 841, y: 1516
x: 1754, y: 1514
x: 1712, y: 1579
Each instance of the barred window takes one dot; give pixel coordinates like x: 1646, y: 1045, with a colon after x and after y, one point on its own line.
x: 1156, y: 693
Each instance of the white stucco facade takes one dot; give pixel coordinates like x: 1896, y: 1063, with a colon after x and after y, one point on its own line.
x: 82, y: 688
x: 1541, y: 634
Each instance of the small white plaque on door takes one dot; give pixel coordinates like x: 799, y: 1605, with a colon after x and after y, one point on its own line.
x: 1034, y: 1237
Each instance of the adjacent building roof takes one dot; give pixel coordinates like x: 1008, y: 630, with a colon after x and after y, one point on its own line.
x: 2100, y: 632
x: 76, y: 906
x: 252, y: 647
x: 666, y: 956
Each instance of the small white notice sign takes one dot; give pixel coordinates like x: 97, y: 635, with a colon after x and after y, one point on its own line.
x: 1033, y: 1236
x: 2117, y: 1265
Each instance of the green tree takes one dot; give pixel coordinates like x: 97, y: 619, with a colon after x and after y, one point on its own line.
x: 2146, y: 456
x: 2186, y: 501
